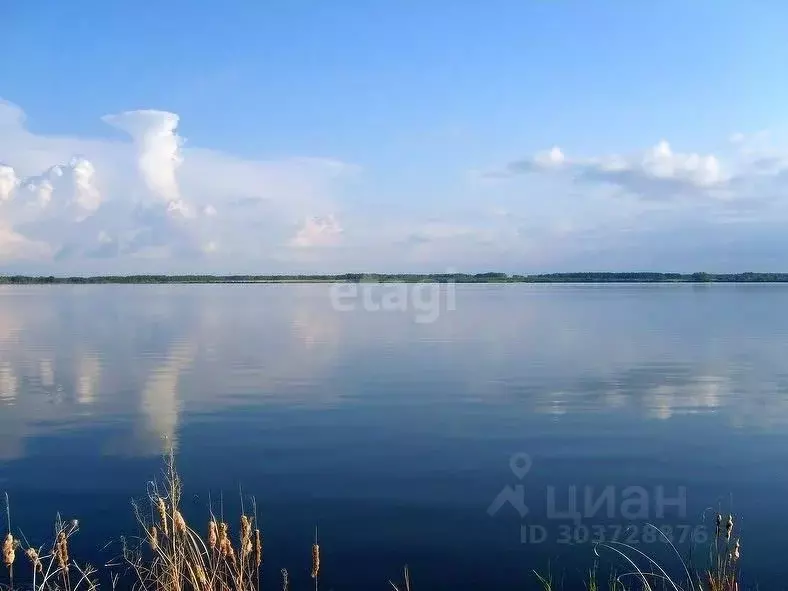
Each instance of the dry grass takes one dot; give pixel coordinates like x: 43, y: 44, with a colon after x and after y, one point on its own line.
x: 173, y: 556
x: 721, y: 572
x: 47, y: 568
x: 405, y: 586
x: 724, y: 556
x: 176, y: 557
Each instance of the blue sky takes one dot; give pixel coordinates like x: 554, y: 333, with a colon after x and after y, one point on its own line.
x: 313, y: 136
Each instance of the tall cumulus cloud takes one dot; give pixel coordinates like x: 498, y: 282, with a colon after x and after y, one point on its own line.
x: 65, y: 201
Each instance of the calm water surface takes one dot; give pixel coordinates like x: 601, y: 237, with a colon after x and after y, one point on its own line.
x: 395, y: 437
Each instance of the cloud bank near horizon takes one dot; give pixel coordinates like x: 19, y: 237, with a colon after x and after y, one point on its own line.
x: 96, y: 202
x: 144, y: 200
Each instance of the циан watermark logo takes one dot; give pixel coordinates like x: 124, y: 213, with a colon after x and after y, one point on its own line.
x: 425, y: 300
x: 581, y: 514
x: 520, y: 464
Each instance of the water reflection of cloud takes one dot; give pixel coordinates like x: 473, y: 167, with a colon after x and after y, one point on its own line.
x: 665, y: 391
x: 88, y: 376
x: 160, y: 403
x: 700, y: 394
x: 46, y: 373
x: 555, y: 404
x: 8, y: 383
x: 314, y: 329
x: 216, y: 347
x: 149, y: 360
x: 264, y: 344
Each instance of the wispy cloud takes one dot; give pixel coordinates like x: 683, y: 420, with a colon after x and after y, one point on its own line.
x: 657, y: 173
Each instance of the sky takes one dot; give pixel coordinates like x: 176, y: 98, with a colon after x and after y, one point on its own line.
x: 295, y: 136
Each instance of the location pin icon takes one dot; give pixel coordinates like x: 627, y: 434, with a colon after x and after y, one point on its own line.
x: 520, y: 463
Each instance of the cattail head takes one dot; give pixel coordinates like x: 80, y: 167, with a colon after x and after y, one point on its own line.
x: 61, y: 550
x: 213, y: 534
x: 729, y: 527
x: 224, y: 539
x: 736, y: 550
x: 230, y: 552
x: 34, y: 559
x: 161, y: 508
x: 179, y: 524
x: 285, y: 580
x: 718, y: 522
x: 258, y: 548
x: 153, y: 537
x: 9, y: 550
x: 200, y: 572
x: 246, y: 536
x: 315, y: 560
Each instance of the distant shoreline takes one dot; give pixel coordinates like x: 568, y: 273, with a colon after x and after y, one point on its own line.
x: 634, y: 277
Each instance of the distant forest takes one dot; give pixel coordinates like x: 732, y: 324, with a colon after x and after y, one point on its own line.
x: 638, y: 277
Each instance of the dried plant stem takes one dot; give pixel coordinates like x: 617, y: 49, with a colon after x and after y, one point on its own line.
x: 315, y: 560
x: 9, y: 544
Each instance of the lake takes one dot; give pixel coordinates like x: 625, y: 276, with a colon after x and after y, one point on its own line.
x: 495, y: 430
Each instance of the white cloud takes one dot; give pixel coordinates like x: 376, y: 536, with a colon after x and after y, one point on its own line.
x: 65, y: 193
x: 554, y: 157
x: 43, y: 190
x: 15, y: 246
x: 87, y: 195
x: 8, y: 182
x: 149, y: 202
x: 657, y: 208
x: 152, y: 197
x: 158, y: 148
x: 179, y: 207
x: 317, y: 231
x: 658, y: 173
x: 661, y: 162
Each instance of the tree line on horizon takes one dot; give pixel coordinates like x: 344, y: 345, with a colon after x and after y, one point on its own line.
x: 489, y: 277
